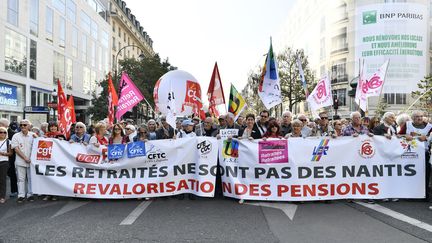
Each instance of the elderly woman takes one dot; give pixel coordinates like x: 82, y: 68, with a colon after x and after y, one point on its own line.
x: 99, y: 138
x: 355, y: 128
x: 151, y: 130
x: 387, y: 127
x: 80, y: 135
x: 401, y: 120
x: 142, y: 134
x: 337, y: 126
x: 5, y: 152
x: 297, y: 127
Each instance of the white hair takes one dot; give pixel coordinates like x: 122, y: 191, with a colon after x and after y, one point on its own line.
x: 387, y: 115
x: 4, y: 121
x: 231, y: 115
x: 287, y: 113
x: 402, y: 119
x: 25, y: 121
x: 354, y: 113
x: 418, y: 113
x: 44, y: 124
x: 81, y: 124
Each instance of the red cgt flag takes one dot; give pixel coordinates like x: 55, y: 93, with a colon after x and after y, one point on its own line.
x: 193, y: 98
x: 112, y: 100
x: 68, y: 118
x: 215, y: 92
x: 61, y: 101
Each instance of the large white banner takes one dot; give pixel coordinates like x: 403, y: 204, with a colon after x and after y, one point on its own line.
x: 168, y: 167
x: 395, y: 31
x: 301, y: 169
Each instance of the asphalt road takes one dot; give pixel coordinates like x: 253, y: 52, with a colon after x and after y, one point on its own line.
x: 209, y: 220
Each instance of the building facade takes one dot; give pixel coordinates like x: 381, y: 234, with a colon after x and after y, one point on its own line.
x: 129, y: 40
x: 338, y: 36
x: 49, y: 40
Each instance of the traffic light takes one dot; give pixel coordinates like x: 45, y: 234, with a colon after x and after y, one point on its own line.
x: 335, y: 103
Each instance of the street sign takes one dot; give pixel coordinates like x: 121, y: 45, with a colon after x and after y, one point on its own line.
x: 36, y: 109
x: 52, y: 105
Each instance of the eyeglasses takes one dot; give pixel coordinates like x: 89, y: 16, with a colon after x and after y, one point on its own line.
x: 264, y: 116
x: 303, y: 120
x: 23, y: 125
x: 79, y: 127
x: 324, y: 118
x: 339, y: 124
x: 118, y: 129
x: 3, y: 132
x: 125, y: 129
x: 143, y: 132
x: 286, y: 116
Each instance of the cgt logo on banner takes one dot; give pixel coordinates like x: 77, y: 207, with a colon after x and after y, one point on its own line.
x: 136, y: 149
x: 321, y: 150
x: 44, y: 150
x: 367, y: 149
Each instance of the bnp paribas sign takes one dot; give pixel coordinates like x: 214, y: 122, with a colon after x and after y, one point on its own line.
x: 369, y: 17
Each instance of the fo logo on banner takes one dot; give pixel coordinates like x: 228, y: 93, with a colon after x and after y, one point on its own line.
x: 136, y: 149
x: 321, y: 150
x: 230, y: 149
x: 367, y: 149
x: 116, y: 151
x: 44, y: 150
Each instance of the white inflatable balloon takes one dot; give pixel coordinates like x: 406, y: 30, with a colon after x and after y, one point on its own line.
x: 173, y: 81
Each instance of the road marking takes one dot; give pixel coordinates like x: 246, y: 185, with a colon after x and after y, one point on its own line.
x: 130, y: 219
x: 398, y: 216
x: 288, y: 208
x: 72, y: 205
x: 27, y: 206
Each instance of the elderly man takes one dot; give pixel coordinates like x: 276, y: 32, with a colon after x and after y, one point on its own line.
x: 324, y: 129
x: 305, y: 131
x: 286, y: 126
x: 355, y: 128
x: 209, y: 129
x: 187, y: 130
x: 165, y: 131
x: 11, y: 171
x: 418, y: 128
x: 22, y: 143
x: 387, y: 127
x: 43, y: 128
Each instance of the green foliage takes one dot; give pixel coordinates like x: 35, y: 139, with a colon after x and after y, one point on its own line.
x: 425, y: 91
x: 143, y: 73
x: 381, y: 108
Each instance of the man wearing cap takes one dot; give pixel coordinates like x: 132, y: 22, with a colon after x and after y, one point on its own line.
x: 165, y: 131
x: 187, y: 131
x: 222, y: 121
x: 22, y: 143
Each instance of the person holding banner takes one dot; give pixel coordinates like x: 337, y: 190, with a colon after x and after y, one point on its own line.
x: 263, y: 122
x: 165, y: 131
x: 387, y: 127
x: 5, y: 152
x: 22, y: 143
x: 286, y: 123
x: 80, y: 135
x: 297, y: 128
x: 53, y: 131
x: 187, y: 129
x: 355, y: 128
x: 251, y: 131
x: 142, y: 134
x: 337, y: 126
x: 99, y: 138
x: 209, y: 130
x: 306, y: 130
x: 117, y: 135
x: 324, y: 128
x: 273, y: 131
x: 130, y: 133
x: 151, y: 130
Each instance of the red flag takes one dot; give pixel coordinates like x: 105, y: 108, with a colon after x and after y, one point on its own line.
x: 155, y: 95
x: 112, y: 100
x: 215, y: 91
x: 61, y: 100
x: 67, y: 118
x: 193, y: 98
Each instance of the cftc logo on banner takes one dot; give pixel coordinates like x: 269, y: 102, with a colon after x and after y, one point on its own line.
x: 321, y: 150
x: 370, y: 17
x: 116, y: 151
x: 44, y: 150
x: 136, y: 149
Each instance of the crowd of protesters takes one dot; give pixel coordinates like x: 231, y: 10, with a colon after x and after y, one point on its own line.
x: 16, y: 139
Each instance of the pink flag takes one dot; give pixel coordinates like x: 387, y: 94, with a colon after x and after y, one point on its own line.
x: 321, y: 96
x: 130, y: 96
x: 376, y: 82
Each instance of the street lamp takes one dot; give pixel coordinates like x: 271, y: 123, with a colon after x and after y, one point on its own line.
x: 54, y: 97
x: 140, y: 57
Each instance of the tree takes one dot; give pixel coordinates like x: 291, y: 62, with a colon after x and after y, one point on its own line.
x: 291, y: 87
x: 143, y: 73
x: 381, y: 108
x: 425, y: 95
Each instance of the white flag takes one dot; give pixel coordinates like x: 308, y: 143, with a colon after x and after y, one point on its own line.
x: 362, y: 86
x: 321, y: 96
x: 269, y: 86
x: 376, y: 82
x: 171, y: 109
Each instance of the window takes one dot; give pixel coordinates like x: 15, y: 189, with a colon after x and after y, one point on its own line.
x: 340, y: 43
x: 395, y: 98
x: 85, y: 22
x: 74, y: 42
x: 94, y: 30
x: 114, y: 44
x: 93, y: 80
x: 49, y: 24
x: 84, y: 48
x: 69, y: 73
x: 99, y: 59
x: 119, y: 32
x: 113, y: 26
x: 104, y: 39
x: 60, y: 5
x: 86, y: 80
x: 33, y: 59
x: 40, y: 98
x: 340, y: 95
x: 341, y: 13
x: 93, y: 54
x: 322, y: 49
x: 62, y: 32
x: 12, y: 12
x: 59, y: 68
x: 338, y: 73
x: 34, y: 17
x: 71, y: 11
x: 15, y: 52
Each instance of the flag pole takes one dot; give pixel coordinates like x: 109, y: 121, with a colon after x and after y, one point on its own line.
x: 385, y: 76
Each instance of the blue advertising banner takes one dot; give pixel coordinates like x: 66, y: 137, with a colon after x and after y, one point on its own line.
x: 8, y: 95
x: 116, y: 151
x: 136, y: 149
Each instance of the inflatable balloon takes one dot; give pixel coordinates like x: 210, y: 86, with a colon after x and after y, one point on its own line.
x: 174, y: 84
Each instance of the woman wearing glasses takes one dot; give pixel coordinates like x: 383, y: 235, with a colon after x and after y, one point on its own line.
x: 5, y: 152
x: 117, y: 135
x: 80, y: 135
x: 142, y: 134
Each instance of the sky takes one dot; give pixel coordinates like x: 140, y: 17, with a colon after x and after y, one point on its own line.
x: 194, y: 34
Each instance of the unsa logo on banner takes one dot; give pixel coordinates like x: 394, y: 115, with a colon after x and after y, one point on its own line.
x: 115, y: 151
x: 136, y: 149
x: 44, y: 150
